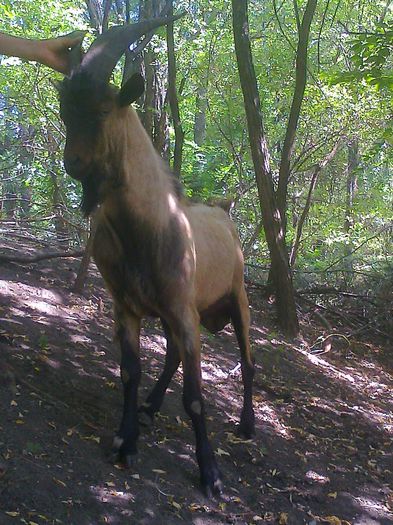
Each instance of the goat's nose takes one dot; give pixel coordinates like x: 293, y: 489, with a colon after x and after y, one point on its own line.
x: 74, y: 166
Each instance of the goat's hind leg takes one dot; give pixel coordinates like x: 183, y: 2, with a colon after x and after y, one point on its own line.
x: 125, y: 441
x: 154, y: 400
x: 240, y: 316
x: 187, y: 338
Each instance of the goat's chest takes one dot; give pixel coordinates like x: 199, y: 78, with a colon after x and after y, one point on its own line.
x: 136, y: 264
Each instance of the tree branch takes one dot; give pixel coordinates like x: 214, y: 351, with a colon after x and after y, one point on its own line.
x: 300, y: 86
x: 38, y: 257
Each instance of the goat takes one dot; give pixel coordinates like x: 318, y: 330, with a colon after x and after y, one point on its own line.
x: 159, y: 255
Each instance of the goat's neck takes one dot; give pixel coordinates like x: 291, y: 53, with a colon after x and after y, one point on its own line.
x: 145, y: 189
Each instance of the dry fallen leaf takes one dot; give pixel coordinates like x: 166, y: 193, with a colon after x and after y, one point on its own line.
x: 91, y: 438
x: 222, y: 452
x: 176, y: 505
x: 59, y: 482
x: 332, y: 520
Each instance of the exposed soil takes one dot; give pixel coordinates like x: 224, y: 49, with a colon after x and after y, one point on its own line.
x: 323, y: 452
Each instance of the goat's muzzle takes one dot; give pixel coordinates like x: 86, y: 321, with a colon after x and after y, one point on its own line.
x: 75, y: 166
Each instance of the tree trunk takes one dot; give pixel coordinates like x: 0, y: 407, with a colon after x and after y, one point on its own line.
x: 200, y: 116
x: 61, y: 227
x: 161, y: 121
x: 352, y: 186
x: 272, y: 221
x: 146, y: 13
x: 306, y: 209
x: 85, y: 262
x: 173, y: 100
x: 298, y: 95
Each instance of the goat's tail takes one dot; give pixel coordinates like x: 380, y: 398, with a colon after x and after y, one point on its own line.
x: 225, y: 204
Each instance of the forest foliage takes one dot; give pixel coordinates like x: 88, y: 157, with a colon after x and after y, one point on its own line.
x: 343, y: 143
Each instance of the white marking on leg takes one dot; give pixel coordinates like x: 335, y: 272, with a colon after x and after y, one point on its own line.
x: 117, y: 442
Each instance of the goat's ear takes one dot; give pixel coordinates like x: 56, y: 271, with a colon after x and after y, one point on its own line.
x: 131, y: 90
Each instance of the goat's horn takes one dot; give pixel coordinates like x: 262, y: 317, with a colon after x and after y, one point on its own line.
x: 104, y: 53
x: 76, y: 53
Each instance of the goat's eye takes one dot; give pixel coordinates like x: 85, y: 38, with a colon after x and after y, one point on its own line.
x: 104, y: 113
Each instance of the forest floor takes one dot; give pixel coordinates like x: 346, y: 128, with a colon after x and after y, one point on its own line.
x: 323, y: 452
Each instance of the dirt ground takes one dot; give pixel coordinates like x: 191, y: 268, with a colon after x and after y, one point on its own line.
x: 322, y: 454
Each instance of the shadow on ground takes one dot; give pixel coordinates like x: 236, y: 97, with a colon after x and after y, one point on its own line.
x: 322, y: 454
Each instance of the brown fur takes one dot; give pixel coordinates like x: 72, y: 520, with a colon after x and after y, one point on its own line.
x: 160, y: 256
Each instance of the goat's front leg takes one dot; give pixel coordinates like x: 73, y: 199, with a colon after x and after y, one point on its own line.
x: 124, y: 443
x: 187, y: 338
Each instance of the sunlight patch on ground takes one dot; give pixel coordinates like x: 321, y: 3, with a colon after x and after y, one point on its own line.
x: 361, y: 384
x: 41, y: 306
x: 19, y: 289
x: 21, y: 313
x: 371, y: 506
x: 80, y: 339
x: 10, y: 321
x: 155, y: 343
x: 267, y: 414
x: 210, y: 371
x: 110, y: 495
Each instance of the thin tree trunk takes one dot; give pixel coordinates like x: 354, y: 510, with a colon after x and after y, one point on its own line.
x: 271, y: 218
x: 61, y: 227
x: 200, y: 116
x: 173, y: 99
x: 294, y: 114
x: 306, y: 209
x: 298, y: 95
x: 352, y: 186
x: 85, y: 262
x: 161, y: 121
x: 146, y: 12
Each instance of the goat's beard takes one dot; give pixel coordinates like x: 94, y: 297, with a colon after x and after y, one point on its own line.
x: 92, y: 190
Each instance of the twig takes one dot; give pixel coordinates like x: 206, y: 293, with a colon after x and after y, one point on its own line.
x: 39, y: 257
x: 382, y: 230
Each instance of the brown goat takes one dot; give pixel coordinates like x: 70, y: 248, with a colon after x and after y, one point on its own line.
x: 159, y: 255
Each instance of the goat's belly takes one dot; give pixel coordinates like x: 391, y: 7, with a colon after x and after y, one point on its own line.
x: 219, y: 261
x: 217, y: 315
x: 216, y: 265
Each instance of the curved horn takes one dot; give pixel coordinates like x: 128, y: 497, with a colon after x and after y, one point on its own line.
x: 76, y: 53
x: 104, y: 53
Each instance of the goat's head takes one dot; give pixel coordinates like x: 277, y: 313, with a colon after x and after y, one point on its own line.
x: 89, y: 104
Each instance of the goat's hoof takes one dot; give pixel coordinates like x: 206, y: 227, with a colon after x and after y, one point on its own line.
x: 246, y: 427
x: 213, y: 489
x: 118, y: 442
x: 121, y: 454
x: 245, y: 430
x: 128, y: 461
